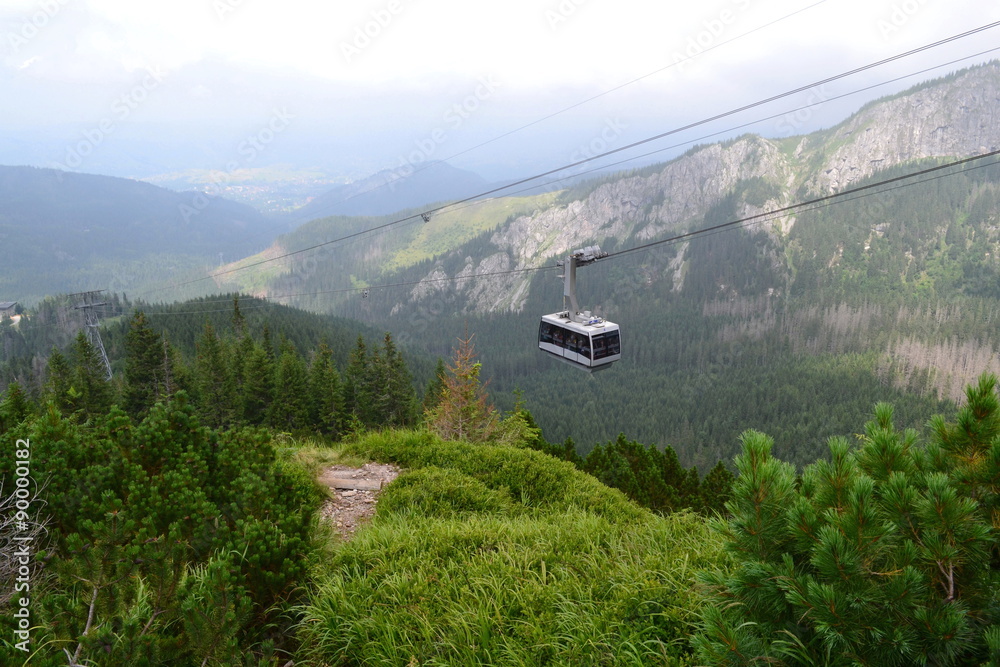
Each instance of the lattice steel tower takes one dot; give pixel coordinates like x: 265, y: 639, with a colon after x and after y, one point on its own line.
x: 93, y: 323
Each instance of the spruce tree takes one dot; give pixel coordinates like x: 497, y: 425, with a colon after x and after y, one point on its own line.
x: 357, y: 384
x: 326, y: 401
x: 90, y: 391
x: 58, y: 380
x: 290, y: 408
x: 216, y: 385
x: 176, y: 374
x: 266, y: 342
x: 14, y: 408
x: 239, y: 322
x: 432, y: 395
x: 395, y: 398
x: 464, y: 412
x: 146, y: 373
x: 257, y: 389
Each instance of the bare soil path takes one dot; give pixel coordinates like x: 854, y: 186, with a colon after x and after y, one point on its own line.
x: 354, y: 494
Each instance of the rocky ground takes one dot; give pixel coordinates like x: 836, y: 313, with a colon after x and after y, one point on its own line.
x: 354, y: 494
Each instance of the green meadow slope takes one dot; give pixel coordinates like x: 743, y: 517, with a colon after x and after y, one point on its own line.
x: 497, y: 555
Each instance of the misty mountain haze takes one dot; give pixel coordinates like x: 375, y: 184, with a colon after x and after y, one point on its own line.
x: 394, y: 190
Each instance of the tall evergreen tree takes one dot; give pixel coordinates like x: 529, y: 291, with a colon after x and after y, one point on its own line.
x: 257, y: 387
x: 216, y: 386
x: 290, y: 408
x: 14, y: 408
x: 435, y: 388
x: 464, y: 412
x: 394, y: 398
x: 357, y: 384
x: 90, y: 390
x: 176, y: 374
x: 326, y: 406
x: 58, y: 381
x: 239, y: 359
x: 239, y: 322
x: 147, y: 372
x: 267, y: 343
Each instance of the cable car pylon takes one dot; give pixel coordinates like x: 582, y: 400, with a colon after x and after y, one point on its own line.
x: 92, y: 324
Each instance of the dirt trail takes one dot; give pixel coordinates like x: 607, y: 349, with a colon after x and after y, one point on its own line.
x: 354, y: 494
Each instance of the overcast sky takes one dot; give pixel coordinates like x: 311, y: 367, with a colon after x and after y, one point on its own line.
x: 367, y: 83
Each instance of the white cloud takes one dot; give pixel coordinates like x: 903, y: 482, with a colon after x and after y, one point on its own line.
x: 527, y: 43
x: 388, y: 69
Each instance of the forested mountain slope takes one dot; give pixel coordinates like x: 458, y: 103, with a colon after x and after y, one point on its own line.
x: 63, y: 232
x: 793, y: 325
x: 946, y: 118
x: 54, y: 324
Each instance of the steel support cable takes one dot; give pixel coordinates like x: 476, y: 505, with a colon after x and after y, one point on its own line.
x: 803, y: 206
x: 589, y: 99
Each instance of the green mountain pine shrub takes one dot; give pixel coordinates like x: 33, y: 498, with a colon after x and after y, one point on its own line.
x: 886, y: 554
x: 170, y: 543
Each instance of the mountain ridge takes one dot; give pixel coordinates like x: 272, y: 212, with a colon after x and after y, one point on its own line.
x: 392, y: 190
x: 88, y: 229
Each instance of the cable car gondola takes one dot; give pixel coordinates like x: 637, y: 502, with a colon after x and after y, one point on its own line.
x: 579, y: 338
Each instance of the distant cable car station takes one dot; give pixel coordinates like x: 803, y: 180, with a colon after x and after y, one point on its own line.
x: 579, y: 338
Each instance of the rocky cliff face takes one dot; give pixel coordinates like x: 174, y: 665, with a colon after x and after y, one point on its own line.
x: 954, y: 117
x: 643, y: 207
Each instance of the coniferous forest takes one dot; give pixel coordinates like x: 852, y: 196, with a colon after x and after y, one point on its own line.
x: 178, y: 519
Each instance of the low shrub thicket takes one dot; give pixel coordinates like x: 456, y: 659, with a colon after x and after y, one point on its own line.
x: 169, y: 543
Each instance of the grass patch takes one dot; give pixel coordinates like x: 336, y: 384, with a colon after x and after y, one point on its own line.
x: 496, y: 555
x: 570, y: 588
x: 443, y: 493
x: 530, y: 478
x: 314, y: 455
x: 449, y: 229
